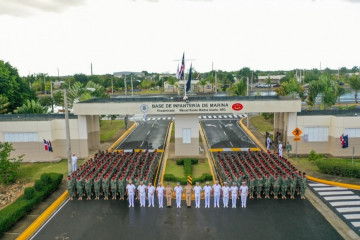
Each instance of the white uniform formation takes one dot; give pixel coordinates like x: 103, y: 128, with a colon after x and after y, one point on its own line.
x: 218, y: 191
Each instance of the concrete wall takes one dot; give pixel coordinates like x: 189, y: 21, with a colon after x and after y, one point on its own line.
x: 187, y: 149
x: 84, y: 134
x: 336, y: 127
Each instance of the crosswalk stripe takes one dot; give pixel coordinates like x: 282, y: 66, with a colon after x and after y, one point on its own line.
x: 159, y: 118
x: 209, y: 117
x: 204, y: 116
x: 225, y: 116
x: 348, y: 209
x: 346, y: 203
x: 329, y: 188
x: 318, y: 185
x: 215, y: 116
x: 335, y: 193
x: 356, y: 224
x: 169, y: 118
x: 220, y: 116
x: 354, y: 197
x: 352, y: 216
x: 230, y: 116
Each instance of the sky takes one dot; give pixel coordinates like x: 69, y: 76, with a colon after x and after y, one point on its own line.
x: 42, y: 36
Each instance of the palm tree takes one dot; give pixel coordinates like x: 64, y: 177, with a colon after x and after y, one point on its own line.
x: 31, y: 107
x: 4, y: 103
x: 202, y: 83
x: 172, y: 82
x: 355, y: 85
x: 211, y: 80
x: 339, y: 92
x: 240, y: 88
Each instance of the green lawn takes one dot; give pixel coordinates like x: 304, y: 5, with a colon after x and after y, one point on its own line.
x: 32, y: 171
x: 178, y: 170
x: 305, y: 164
x: 263, y: 125
x: 109, y: 128
x: 172, y: 168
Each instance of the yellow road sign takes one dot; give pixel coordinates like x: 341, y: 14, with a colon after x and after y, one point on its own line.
x: 297, y: 132
x: 296, y: 139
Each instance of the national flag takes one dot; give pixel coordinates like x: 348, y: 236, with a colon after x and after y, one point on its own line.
x: 177, y: 72
x: 188, y: 83
x: 182, y: 68
x: 45, y: 145
x: 50, y: 146
x: 345, y: 141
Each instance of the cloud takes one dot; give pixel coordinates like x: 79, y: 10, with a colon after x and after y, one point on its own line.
x: 23, y: 8
x: 353, y: 1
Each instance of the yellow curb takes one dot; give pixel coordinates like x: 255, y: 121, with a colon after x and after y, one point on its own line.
x: 236, y: 149
x: 125, y: 134
x: 166, y: 141
x: 255, y: 149
x: 203, y: 136
x: 43, y: 217
x: 216, y: 149
x: 252, y: 135
x: 344, y: 185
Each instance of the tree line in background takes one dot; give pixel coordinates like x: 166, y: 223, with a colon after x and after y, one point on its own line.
x: 31, y: 94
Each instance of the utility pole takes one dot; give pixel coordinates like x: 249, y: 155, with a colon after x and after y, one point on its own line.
x: 52, y: 96
x: 215, y: 84
x: 112, y: 84
x: 67, y: 130
x: 125, y: 87
x: 132, y: 88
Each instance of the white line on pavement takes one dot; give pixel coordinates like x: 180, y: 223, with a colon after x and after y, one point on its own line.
x: 148, y: 133
x: 141, y: 143
x: 352, y: 216
x: 220, y: 116
x: 354, y: 197
x: 348, y: 209
x: 318, y: 185
x: 328, y: 188
x: 356, y: 224
x: 224, y: 132
x: 346, y: 203
x: 335, y: 193
x: 231, y: 144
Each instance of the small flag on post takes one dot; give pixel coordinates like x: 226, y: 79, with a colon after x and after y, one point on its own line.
x: 45, y: 145
x: 182, y: 68
x: 188, y: 83
x: 189, y: 178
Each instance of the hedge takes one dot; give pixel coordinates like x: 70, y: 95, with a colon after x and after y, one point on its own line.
x: 183, y: 180
x: 26, y: 202
x: 181, y: 161
x: 187, y: 167
x: 340, y: 167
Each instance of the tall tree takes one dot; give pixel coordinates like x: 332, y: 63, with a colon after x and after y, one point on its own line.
x: 4, y: 103
x: 31, y: 107
x: 355, y: 85
x: 13, y: 87
x: 202, y: 83
x: 240, y: 88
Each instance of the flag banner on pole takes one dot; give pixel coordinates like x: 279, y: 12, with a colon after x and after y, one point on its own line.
x: 50, y: 146
x: 182, y: 68
x: 45, y: 145
x: 188, y: 83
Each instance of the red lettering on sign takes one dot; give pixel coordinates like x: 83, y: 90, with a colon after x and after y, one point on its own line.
x: 237, y: 106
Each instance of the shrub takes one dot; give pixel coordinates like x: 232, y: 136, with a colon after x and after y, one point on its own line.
x: 29, y: 193
x: 187, y: 167
x: 45, y: 178
x: 181, y: 161
x: 336, y: 167
x: 25, y: 203
x: 9, y: 167
x: 169, y: 177
x: 39, y: 185
x: 205, y: 177
x: 313, y: 156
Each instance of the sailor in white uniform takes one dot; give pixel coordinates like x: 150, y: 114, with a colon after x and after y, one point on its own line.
x: 234, y: 193
x: 225, y: 193
x: 197, y: 190
x: 244, y: 192
x: 160, y: 194
x: 217, y: 190
x: 178, y: 192
x: 207, y: 191
x: 142, y: 193
x: 130, y: 192
x: 151, y: 194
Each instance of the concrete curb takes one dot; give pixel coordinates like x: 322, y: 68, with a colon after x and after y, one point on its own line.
x: 251, y: 135
x: 344, y: 185
x: 124, y: 135
x: 164, y: 155
x: 43, y: 217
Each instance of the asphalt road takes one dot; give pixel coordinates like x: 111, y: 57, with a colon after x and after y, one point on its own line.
x: 226, y: 134
x: 148, y: 135
x: 262, y: 219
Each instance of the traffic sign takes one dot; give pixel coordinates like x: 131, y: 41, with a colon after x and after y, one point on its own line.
x: 296, y: 139
x: 297, y: 132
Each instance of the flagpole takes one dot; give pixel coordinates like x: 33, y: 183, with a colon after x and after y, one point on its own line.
x: 67, y: 132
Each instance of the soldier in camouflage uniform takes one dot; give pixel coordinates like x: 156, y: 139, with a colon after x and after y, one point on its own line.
x: 71, y: 187
x: 303, y: 186
x: 105, y: 187
x: 97, y: 186
x: 88, y: 187
x: 276, y: 186
x: 284, y: 186
x: 259, y: 185
x: 113, y: 185
x: 292, y: 186
x: 267, y: 185
x: 80, y: 187
x: 121, y: 187
x: 252, y: 187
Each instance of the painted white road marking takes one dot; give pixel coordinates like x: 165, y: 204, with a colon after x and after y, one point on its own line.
x: 329, y: 188
x: 335, y: 193
x: 348, y: 209
x: 224, y: 132
x: 318, y: 185
x: 349, y: 203
x: 352, y: 216
x: 148, y: 133
x: 231, y: 144
x: 356, y: 224
x: 354, y: 197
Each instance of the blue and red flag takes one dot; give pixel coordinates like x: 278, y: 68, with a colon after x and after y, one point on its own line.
x: 182, y: 68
